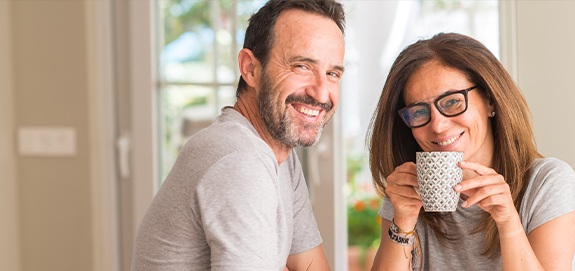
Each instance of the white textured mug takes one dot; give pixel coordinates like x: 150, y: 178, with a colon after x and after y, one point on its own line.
x: 437, y: 174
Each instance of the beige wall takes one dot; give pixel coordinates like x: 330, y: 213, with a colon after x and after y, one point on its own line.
x: 50, y: 90
x: 546, y: 72
x: 9, y: 235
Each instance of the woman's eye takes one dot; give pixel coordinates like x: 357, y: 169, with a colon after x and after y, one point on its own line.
x: 420, y: 113
x: 451, y: 103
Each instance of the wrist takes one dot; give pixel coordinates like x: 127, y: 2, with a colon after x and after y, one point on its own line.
x: 405, y: 224
x: 400, y: 237
x: 409, y: 240
x: 510, y: 228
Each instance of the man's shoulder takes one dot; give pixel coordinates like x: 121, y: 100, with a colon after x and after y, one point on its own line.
x: 227, y: 134
x: 226, y: 138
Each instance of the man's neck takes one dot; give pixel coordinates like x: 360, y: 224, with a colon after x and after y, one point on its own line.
x: 247, y: 106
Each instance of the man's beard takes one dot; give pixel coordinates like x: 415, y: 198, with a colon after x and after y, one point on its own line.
x: 280, y: 125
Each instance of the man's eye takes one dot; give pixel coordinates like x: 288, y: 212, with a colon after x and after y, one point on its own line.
x: 301, y: 66
x: 334, y: 74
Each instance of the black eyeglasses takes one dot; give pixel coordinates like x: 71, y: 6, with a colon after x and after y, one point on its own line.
x: 450, y: 104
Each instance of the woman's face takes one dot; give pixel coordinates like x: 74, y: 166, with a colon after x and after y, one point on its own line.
x: 469, y: 132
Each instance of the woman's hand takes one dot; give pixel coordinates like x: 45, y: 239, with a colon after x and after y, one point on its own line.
x: 489, y: 191
x: 401, y: 192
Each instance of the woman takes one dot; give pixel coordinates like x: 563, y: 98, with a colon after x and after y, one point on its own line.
x: 516, y: 210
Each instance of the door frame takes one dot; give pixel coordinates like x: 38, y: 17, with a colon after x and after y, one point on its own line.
x: 100, y: 78
x: 144, y: 136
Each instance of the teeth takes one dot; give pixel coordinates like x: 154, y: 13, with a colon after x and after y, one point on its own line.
x: 447, y: 142
x: 307, y: 111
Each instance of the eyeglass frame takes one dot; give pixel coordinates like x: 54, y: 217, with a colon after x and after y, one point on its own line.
x: 465, y: 93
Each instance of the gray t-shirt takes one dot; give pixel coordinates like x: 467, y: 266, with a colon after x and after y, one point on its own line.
x: 550, y: 194
x: 227, y: 205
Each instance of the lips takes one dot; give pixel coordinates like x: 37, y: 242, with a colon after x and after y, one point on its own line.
x: 448, y: 141
x: 307, y: 105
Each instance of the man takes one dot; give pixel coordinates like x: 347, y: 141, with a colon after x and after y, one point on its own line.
x: 236, y: 197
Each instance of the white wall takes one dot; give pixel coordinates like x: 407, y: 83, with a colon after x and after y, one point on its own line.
x: 9, y: 244
x: 546, y: 72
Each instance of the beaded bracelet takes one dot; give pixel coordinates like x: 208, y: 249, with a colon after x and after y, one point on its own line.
x: 400, y: 237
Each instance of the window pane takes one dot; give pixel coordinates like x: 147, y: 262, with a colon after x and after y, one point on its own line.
x: 198, y: 45
x: 224, y: 42
x: 184, y: 111
x: 226, y: 96
x: 187, y: 53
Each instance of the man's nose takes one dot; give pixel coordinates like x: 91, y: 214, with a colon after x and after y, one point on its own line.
x: 320, y: 89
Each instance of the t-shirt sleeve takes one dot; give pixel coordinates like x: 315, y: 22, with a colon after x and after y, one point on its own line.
x: 238, y: 210
x: 305, y: 232
x: 550, y: 193
x: 386, y: 210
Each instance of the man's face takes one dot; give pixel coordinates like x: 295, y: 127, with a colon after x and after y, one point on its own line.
x: 279, y: 122
x: 299, y: 87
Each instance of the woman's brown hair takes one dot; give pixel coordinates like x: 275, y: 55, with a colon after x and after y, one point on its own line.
x: 391, y: 143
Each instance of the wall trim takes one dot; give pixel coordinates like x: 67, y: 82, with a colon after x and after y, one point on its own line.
x: 143, y: 84
x: 105, y: 204
x: 508, y: 36
x: 9, y: 230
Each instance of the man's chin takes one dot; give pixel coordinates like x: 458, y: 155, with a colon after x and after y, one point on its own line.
x: 306, y: 144
x: 302, y: 136
x: 308, y: 140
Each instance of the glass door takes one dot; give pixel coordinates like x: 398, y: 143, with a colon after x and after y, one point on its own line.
x: 198, y: 45
x: 198, y: 41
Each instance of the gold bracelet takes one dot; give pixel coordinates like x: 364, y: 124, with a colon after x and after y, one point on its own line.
x: 400, y: 237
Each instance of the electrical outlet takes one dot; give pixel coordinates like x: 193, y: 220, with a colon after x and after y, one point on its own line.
x: 46, y: 141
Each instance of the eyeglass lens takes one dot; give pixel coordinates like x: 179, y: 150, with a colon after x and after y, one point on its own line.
x: 420, y: 114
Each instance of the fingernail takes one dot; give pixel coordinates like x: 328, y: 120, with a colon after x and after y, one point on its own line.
x: 464, y: 204
x: 462, y: 162
x: 457, y: 187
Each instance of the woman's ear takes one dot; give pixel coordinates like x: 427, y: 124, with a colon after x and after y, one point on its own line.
x: 249, y: 67
x: 490, y: 105
x: 491, y: 109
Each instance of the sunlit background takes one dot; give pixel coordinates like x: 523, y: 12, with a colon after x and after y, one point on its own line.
x: 199, y: 42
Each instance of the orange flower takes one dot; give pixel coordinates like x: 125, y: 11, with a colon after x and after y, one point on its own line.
x: 374, y: 203
x: 359, y: 206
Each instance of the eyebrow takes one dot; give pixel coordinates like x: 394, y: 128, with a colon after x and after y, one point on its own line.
x: 314, y: 61
x: 427, y: 100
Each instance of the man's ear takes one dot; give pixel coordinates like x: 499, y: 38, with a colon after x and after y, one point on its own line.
x: 250, y: 67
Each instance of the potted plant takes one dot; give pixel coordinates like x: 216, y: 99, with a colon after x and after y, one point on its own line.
x: 363, y: 220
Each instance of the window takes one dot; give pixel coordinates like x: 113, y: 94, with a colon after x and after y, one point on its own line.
x: 199, y: 41
x: 375, y: 34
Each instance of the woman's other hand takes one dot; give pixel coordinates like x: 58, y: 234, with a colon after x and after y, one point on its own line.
x: 489, y: 191
x: 401, y: 192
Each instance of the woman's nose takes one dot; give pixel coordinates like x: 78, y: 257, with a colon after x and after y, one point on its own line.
x: 438, y: 122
